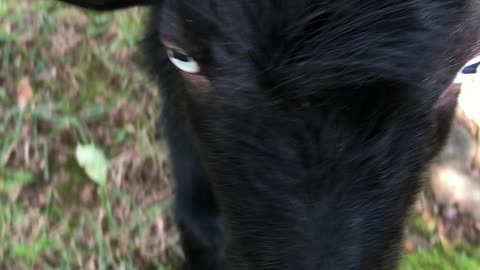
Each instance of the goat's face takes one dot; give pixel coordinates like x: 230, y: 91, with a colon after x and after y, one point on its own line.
x: 313, y: 119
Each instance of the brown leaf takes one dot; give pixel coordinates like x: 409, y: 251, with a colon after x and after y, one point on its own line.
x: 24, y: 92
x: 408, y: 246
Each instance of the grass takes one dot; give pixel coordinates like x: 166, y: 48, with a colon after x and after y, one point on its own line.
x: 79, y: 68
x: 442, y: 258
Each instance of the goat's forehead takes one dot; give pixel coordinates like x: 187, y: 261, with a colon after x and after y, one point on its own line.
x: 236, y: 15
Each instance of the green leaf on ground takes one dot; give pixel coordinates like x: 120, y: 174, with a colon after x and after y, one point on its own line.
x: 94, y: 162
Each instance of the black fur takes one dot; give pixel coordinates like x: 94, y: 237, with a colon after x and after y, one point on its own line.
x: 302, y: 142
x: 106, y: 5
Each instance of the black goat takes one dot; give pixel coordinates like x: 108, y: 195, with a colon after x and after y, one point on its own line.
x: 299, y: 130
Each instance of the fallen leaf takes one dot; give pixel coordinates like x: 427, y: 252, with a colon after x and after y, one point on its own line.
x: 408, y: 246
x: 94, y: 162
x: 24, y: 92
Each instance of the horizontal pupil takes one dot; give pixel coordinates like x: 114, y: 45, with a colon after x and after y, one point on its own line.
x: 182, y: 57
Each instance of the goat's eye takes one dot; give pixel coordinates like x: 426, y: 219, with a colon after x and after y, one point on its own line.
x: 183, y: 61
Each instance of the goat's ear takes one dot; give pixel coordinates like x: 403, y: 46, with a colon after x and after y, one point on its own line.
x: 105, y: 5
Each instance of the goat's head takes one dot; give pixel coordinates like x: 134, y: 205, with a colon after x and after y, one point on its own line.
x: 314, y: 119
